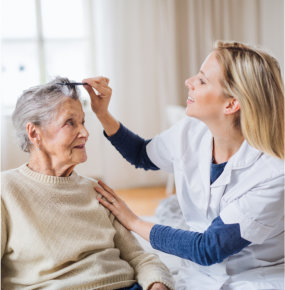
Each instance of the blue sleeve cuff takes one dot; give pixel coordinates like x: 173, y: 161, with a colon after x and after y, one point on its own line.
x: 132, y: 147
x: 218, y: 242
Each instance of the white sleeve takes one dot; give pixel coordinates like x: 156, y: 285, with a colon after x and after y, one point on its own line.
x: 170, y: 145
x: 258, y: 211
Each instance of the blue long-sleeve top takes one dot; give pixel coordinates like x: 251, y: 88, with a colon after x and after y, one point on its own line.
x: 218, y: 242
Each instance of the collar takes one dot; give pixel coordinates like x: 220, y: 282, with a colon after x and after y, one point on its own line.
x: 243, y: 158
x: 48, y: 179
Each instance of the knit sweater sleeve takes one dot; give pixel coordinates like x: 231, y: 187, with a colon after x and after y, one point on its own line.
x: 148, y: 268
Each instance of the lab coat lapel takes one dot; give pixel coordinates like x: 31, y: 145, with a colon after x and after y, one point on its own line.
x: 205, y: 157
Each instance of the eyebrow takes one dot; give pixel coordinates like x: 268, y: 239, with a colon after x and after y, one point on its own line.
x: 71, y: 116
x: 203, y: 74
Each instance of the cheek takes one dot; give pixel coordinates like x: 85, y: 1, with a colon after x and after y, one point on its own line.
x: 66, y: 140
x: 63, y: 145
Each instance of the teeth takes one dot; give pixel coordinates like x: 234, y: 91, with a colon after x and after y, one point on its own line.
x: 191, y: 99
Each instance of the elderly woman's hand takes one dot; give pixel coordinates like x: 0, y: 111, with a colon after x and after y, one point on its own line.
x: 101, y: 97
x: 158, y: 286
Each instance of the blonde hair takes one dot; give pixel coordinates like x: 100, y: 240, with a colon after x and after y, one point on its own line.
x: 253, y: 77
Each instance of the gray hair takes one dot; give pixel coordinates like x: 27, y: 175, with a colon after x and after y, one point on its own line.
x: 38, y: 105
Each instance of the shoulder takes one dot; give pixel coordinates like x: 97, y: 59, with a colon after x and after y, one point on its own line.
x: 86, y: 184
x: 85, y: 180
x: 10, y: 179
x: 7, y: 174
x: 256, y: 165
x: 267, y: 170
x: 181, y: 135
x: 273, y: 167
x: 189, y: 124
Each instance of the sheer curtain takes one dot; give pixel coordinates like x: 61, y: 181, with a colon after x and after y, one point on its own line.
x: 135, y: 48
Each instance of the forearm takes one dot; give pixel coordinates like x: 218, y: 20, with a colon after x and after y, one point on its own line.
x: 109, y: 123
x: 132, y: 147
x: 214, y: 245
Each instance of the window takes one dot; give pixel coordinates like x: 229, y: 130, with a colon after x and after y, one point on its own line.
x: 42, y: 39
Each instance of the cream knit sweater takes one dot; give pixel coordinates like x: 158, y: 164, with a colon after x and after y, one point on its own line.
x: 55, y: 235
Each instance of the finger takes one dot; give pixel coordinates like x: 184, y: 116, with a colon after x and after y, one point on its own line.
x: 102, y: 89
x: 106, y: 194
x: 105, y: 203
x: 99, y: 83
x: 98, y: 80
x: 91, y: 92
x: 107, y: 188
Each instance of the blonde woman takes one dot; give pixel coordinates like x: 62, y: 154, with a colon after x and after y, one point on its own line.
x: 227, y: 159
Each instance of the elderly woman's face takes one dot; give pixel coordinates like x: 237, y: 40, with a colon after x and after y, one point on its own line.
x: 63, y: 139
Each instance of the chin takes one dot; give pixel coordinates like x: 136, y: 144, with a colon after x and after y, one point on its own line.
x: 188, y: 112
x: 81, y: 159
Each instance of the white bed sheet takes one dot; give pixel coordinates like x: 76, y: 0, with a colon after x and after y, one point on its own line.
x: 167, y: 213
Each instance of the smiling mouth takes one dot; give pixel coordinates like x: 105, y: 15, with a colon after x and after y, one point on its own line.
x: 82, y: 146
x: 190, y: 99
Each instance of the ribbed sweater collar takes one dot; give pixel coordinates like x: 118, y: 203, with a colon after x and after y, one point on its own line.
x: 43, y: 178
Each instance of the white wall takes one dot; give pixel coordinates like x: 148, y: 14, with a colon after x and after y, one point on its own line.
x: 272, y: 28
x: 11, y: 155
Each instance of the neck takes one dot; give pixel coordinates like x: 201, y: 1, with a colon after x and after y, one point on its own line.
x: 43, y: 164
x: 226, y: 142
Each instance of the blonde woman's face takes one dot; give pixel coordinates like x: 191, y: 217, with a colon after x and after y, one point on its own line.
x: 206, y: 101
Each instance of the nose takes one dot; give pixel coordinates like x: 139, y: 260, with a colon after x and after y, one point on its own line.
x: 83, y: 132
x: 189, y: 83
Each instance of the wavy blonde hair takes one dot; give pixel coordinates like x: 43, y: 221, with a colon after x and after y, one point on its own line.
x: 253, y: 77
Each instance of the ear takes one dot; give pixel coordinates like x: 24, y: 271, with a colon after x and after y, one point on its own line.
x: 232, y: 106
x: 33, y: 133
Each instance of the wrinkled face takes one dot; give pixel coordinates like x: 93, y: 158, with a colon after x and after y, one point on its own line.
x: 63, y: 139
x: 206, y: 101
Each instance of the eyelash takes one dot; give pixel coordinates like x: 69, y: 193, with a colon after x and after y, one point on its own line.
x: 70, y: 122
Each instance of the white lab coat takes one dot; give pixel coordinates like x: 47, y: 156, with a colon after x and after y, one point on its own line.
x: 250, y: 192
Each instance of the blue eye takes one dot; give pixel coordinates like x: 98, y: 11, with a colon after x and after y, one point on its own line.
x: 70, y: 122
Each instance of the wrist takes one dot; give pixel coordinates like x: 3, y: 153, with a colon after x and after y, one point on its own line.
x: 135, y: 225
x: 109, y: 123
x: 142, y: 228
x: 103, y: 116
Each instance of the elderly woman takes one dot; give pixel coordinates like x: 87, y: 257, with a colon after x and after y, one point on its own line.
x: 55, y: 234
